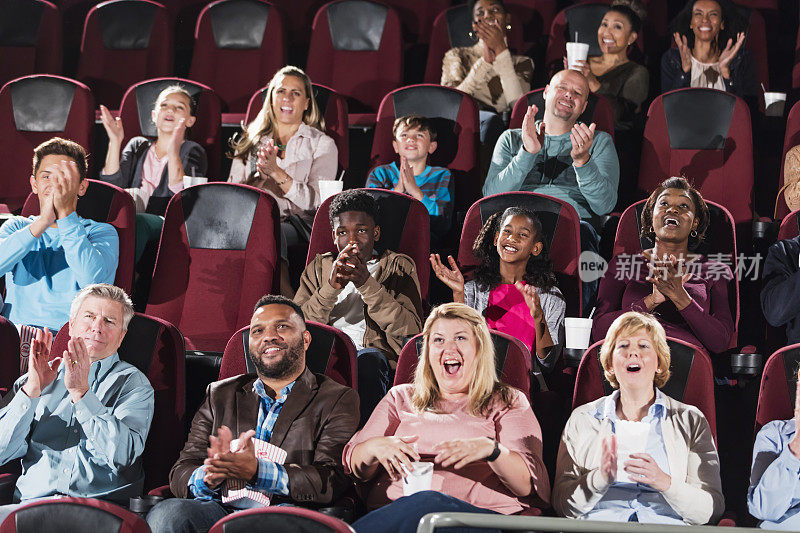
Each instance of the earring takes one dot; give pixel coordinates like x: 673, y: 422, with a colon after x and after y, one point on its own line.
x: 658, y: 370
x: 471, y: 34
x: 508, y: 27
x: 693, y: 233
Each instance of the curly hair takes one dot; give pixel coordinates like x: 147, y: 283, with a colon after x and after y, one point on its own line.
x: 353, y: 200
x: 632, y: 10
x: 538, y: 271
x: 731, y: 19
x: 701, y: 212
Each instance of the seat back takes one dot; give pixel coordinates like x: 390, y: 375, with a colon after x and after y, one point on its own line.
x: 283, y: 518
x: 405, y: 228
x: 356, y: 49
x: 333, y: 108
x: 30, y: 39
x: 451, y: 29
x: 156, y: 348
x: 417, y: 17
x: 9, y: 363
x: 719, y: 244
x: 454, y: 116
x: 104, y: 202
x: 512, y: 360
x: 35, y: 109
x: 598, y: 110
x: 124, y: 41
x: 136, y: 114
x: 790, y: 226
x: 72, y: 514
x: 705, y: 135
x: 238, y: 44
x: 582, y: 19
x: 217, y: 256
x: 331, y: 352
x: 776, y: 395
x: 691, y: 380
x: 561, y: 228
x: 791, y: 139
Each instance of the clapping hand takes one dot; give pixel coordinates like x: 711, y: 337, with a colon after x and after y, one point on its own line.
x: 608, y: 459
x: 531, y: 296
x: 41, y: 371
x: 581, y: 137
x: 451, y: 277
x: 112, y: 125
x: 532, y: 139
x: 267, y: 163
x: 66, y: 185
x: 240, y: 463
x: 684, y: 50
x: 76, y: 372
x: 669, y: 276
x: 727, y: 55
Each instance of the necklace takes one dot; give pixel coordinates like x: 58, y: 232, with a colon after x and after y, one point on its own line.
x: 281, y: 147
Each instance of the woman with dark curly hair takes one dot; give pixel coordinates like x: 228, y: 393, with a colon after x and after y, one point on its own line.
x: 709, y: 37
x: 513, y: 283
x: 687, y: 292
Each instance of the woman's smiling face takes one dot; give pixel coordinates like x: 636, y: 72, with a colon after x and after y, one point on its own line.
x: 452, y: 353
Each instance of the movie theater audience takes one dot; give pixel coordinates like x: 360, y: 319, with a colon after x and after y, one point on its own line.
x: 481, y: 435
x: 676, y: 479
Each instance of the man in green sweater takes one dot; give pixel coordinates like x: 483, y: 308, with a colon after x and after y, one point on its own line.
x: 560, y: 157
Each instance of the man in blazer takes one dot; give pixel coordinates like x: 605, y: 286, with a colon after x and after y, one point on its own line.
x: 309, y: 416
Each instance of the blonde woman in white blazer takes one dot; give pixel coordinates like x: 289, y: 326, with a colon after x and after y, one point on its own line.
x: 676, y: 480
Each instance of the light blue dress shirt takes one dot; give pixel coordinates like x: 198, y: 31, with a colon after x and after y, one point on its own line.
x: 637, y: 502
x: 774, y: 494
x: 89, y: 449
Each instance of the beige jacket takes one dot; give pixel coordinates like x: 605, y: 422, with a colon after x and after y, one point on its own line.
x: 496, y: 85
x: 392, y: 302
x: 697, y: 497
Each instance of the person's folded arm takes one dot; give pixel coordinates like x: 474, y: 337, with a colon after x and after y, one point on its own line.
x: 195, y: 450
x: 17, y: 412
x: 92, y: 255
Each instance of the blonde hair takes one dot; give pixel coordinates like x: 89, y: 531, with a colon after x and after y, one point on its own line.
x: 172, y: 89
x: 484, y: 387
x: 264, y: 123
x: 632, y: 322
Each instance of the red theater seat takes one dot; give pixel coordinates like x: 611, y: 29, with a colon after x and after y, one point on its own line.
x: 124, y: 42
x: 405, y: 228
x: 104, y: 202
x: 691, y: 382
x: 35, y: 109
x: 139, y: 99
x: 239, y: 45
x: 155, y: 347
x: 9, y: 362
x: 66, y: 513
x: 30, y: 39
x: 704, y: 135
x: 560, y: 224
x: 357, y: 50
x: 455, y: 117
x: 512, y: 360
x: 331, y: 353
x: 776, y: 394
x: 790, y: 140
x: 283, y: 518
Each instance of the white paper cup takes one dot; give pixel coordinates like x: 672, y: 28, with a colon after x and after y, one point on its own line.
x: 576, y: 52
x: 631, y: 438
x: 328, y: 188
x: 774, y: 104
x: 418, y: 479
x: 578, y: 332
x: 188, y: 181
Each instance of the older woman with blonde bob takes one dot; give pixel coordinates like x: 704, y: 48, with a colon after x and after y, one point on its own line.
x: 674, y: 477
x: 481, y: 435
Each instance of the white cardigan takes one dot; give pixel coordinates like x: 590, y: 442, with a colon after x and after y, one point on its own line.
x: 697, y: 497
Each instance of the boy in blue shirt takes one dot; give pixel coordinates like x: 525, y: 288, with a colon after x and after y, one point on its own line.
x: 48, y: 259
x: 414, y: 140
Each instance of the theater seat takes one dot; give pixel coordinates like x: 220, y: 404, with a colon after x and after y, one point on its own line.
x: 104, y: 202
x: 155, y: 347
x: 239, y: 44
x: 512, y: 360
x: 124, y: 42
x: 704, y: 135
x: 356, y: 49
x: 34, y: 109
x: 405, y: 228
x: 691, y: 382
x: 139, y: 99
x: 331, y: 353
x: 58, y: 515
x: 598, y: 110
x: 9, y: 361
x: 561, y: 226
x: 790, y: 226
x: 791, y: 139
x: 454, y: 116
x: 282, y: 518
x: 776, y: 395
x: 30, y: 39
x: 333, y: 107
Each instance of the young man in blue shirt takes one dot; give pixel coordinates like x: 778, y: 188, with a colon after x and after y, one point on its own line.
x: 48, y: 258
x: 79, y: 422
x: 414, y: 140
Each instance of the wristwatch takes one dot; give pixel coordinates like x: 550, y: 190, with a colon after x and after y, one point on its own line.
x: 495, y: 453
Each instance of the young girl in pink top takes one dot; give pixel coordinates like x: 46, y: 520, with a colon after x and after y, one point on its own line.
x: 514, y: 286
